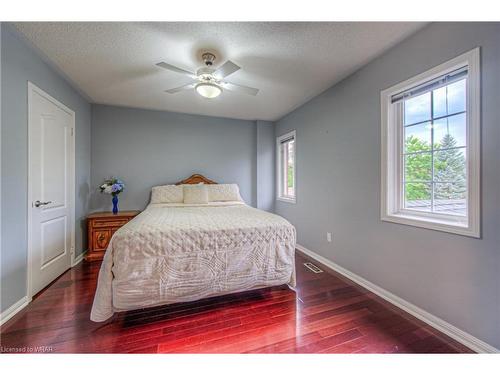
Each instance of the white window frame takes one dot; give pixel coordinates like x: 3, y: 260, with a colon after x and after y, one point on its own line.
x: 392, y: 209
x: 279, y: 197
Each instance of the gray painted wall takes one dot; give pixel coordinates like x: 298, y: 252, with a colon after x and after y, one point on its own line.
x: 265, y: 159
x: 338, y: 186
x: 20, y: 64
x: 147, y: 148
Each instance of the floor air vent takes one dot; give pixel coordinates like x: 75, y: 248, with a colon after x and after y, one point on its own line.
x: 313, y: 267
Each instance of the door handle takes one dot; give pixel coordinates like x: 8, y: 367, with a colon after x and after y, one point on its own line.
x: 38, y: 203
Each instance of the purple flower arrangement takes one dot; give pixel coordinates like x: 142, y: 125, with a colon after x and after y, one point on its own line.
x: 113, y: 186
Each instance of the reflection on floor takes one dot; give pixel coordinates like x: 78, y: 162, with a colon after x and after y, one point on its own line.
x: 326, y: 314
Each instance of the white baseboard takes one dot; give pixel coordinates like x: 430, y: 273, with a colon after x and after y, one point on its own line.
x: 78, y: 259
x: 435, y: 322
x: 14, y: 309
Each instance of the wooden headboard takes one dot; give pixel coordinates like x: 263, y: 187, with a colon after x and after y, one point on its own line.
x: 196, y: 179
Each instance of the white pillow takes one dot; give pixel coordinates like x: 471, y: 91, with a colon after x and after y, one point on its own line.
x: 195, y: 194
x: 223, y: 193
x: 167, y: 194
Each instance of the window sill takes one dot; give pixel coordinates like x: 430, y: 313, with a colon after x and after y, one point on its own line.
x: 417, y: 220
x: 288, y: 200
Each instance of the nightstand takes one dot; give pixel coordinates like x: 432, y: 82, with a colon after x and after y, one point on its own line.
x: 101, y: 227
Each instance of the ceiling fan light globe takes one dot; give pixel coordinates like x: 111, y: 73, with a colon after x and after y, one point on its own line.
x: 208, y: 90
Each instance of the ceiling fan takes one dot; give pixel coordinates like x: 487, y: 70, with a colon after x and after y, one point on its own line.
x: 207, y: 81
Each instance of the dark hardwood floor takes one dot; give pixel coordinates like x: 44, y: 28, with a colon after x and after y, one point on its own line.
x: 327, y: 314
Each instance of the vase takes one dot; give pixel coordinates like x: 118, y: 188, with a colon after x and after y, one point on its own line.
x: 115, y: 204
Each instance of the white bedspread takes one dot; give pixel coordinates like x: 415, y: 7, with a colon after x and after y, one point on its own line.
x: 176, y: 253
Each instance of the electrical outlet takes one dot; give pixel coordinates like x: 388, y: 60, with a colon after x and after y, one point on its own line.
x: 328, y: 236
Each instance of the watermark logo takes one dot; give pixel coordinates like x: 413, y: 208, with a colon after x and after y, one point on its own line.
x: 26, y: 349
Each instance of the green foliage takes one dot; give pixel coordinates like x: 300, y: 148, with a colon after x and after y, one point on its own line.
x: 418, y: 168
x: 414, y: 144
x: 449, y: 166
x: 290, y: 176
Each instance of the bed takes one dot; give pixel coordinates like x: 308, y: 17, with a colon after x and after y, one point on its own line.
x: 180, y: 252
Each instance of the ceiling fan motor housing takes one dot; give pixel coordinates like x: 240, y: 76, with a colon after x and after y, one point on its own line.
x: 205, y: 74
x: 208, y: 58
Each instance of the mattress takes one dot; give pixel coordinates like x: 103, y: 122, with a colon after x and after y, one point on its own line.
x: 177, y: 253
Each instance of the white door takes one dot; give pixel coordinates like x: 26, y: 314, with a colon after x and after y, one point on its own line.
x: 51, y: 181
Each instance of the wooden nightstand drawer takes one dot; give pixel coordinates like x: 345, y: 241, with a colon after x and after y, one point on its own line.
x: 108, y: 223
x: 100, y: 239
x: 101, y: 227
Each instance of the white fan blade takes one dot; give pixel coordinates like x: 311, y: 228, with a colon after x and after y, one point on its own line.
x: 164, y: 65
x: 239, y: 88
x: 226, y: 69
x: 181, y: 88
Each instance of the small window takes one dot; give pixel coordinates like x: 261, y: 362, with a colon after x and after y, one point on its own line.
x: 430, y: 148
x: 285, y: 147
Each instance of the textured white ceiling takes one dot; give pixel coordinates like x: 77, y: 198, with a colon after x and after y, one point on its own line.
x: 114, y: 63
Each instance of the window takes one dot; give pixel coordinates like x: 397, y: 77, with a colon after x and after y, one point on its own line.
x: 285, y: 148
x: 430, y: 148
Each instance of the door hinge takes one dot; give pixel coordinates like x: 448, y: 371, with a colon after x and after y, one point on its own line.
x: 71, y: 131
